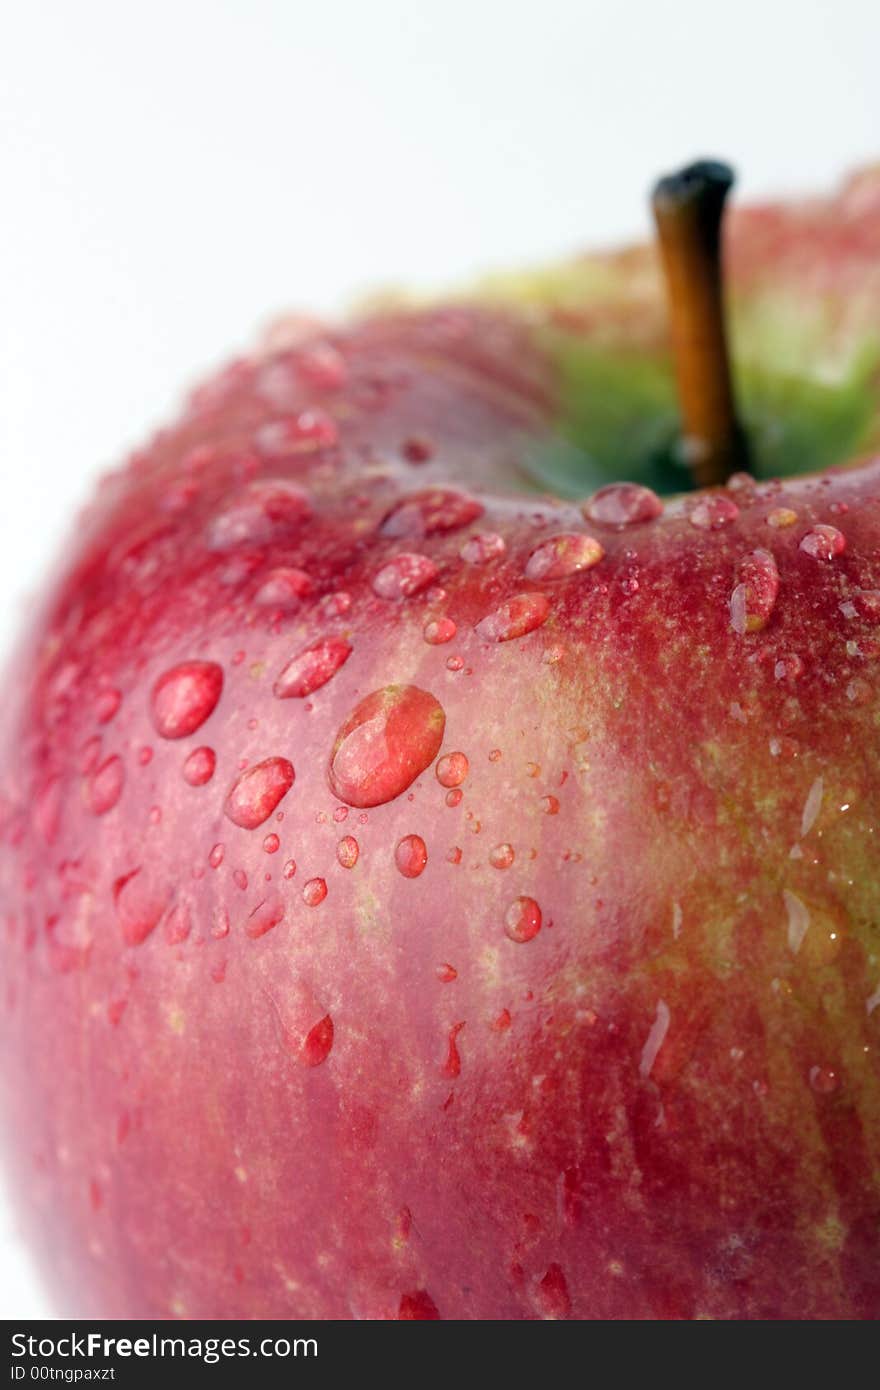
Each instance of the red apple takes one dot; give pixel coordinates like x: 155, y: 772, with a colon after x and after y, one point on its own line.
x: 424, y: 897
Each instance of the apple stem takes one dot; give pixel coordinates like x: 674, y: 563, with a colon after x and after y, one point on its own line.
x: 688, y: 208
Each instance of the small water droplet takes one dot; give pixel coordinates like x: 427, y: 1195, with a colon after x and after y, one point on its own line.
x: 550, y: 805
x: 411, y: 856
x: 199, y: 766
x: 858, y: 691
x: 623, y: 504
x: 347, y: 851
x: 391, y: 737
x: 255, y: 794
x: 145, y: 755
x: 264, y: 511
x: 297, y: 434
x: 318, y: 1043
x: 446, y: 973
x: 564, y: 555
x: 139, y: 905
x: 781, y: 517
x: 265, y: 916
x: 522, y: 920
x: 432, y: 512
x: 452, y: 1065
x: 515, y: 618
x: 713, y: 512
x: 798, y: 922
x: 240, y: 879
x: 454, y: 797
x: 824, y: 1080
x: 417, y: 449
x: 452, y: 769
x: 404, y: 575
x: 454, y: 663
x: 314, y: 891
x: 283, y: 588
x: 788, y: 668
x: 289, y: 868
x: 755, y: 592
x: 184, y: 697
x: 271, y: 844
x: 439, y: 630
x: 107, y: 703
x: 215, y: 858
x: 311, y: 668
x: 480, y: 549
x: 551, y: 1295
x: 823, y: 542
x: 106, y: 785
x: 418, y: 1306
x: 501, y: 856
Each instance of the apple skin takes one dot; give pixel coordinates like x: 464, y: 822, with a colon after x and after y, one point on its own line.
x: 612, y: 1049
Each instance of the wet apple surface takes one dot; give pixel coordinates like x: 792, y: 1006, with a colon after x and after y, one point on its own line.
x: 428, y: 897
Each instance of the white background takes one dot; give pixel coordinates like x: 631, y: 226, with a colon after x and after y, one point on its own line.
x: 174, y: 173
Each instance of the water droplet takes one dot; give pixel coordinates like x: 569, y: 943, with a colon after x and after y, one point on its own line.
x: 551, y: 1295
x: 347, y: 851
x: 655, y: 1039
x: 283, y: 588
x: 452, y: 1065
x: 788, y: 668
x: 519, y: 616
x: 240, y: 879
x: 439, y: 630
x: 754, y: 595
x: 311, y: 668
x: 522, y: 920
x: 417, y: 449
x: 384, y: 744
x: 454, y: 797
x: 199, y: 766
x: 411, y: 856
x: 265, y: 916
x: 106, y: 785
x: 812, y: 805
x: 452, y: 769
x: 297, y: 434
x: 271, y: 844
x: 255, y: 794
x: 265, y: 511
x: 713, y: 512
x: 453, y: 856
x: 314, y: 892
x: 178, y: 924
x: 289, y: 868
x: 446, y: 973
x: 824, y: 1080
x: 501, y: 856
x: 318, y: 1043
x: 418, y: 1306
x: 432, y: 512
x: 798, y: 920
x: 781, y: 517
x: 404, y: 575
x: 139, y: 905
x: 184, y: 697
x: 858, y: 691
x: 564, y: 555
x: 454, y: 663
x: 215, y: 858
x: 823, y: 542
x: 623, y: 504
x: 550, y: 805
x: 480, y: 549
x: 107, y: 704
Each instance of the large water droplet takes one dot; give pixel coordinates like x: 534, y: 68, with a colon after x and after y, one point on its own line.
x: 522, y: 920
x: 564, y: 555
x: 199, y: 766
x: 183, y: 697
x: 265, y: 511
x: 403, y: 576
x: 312, y: 668
x: 432, y: 512
x: 623, y: 504
x: 755, y: 592
x: 106, y: 785
x: 823, y: 542
x: 384, y: 744
x: 314, y: 892
x: 256, y: 793
x: 411, y: 856
x: 515, y: 618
